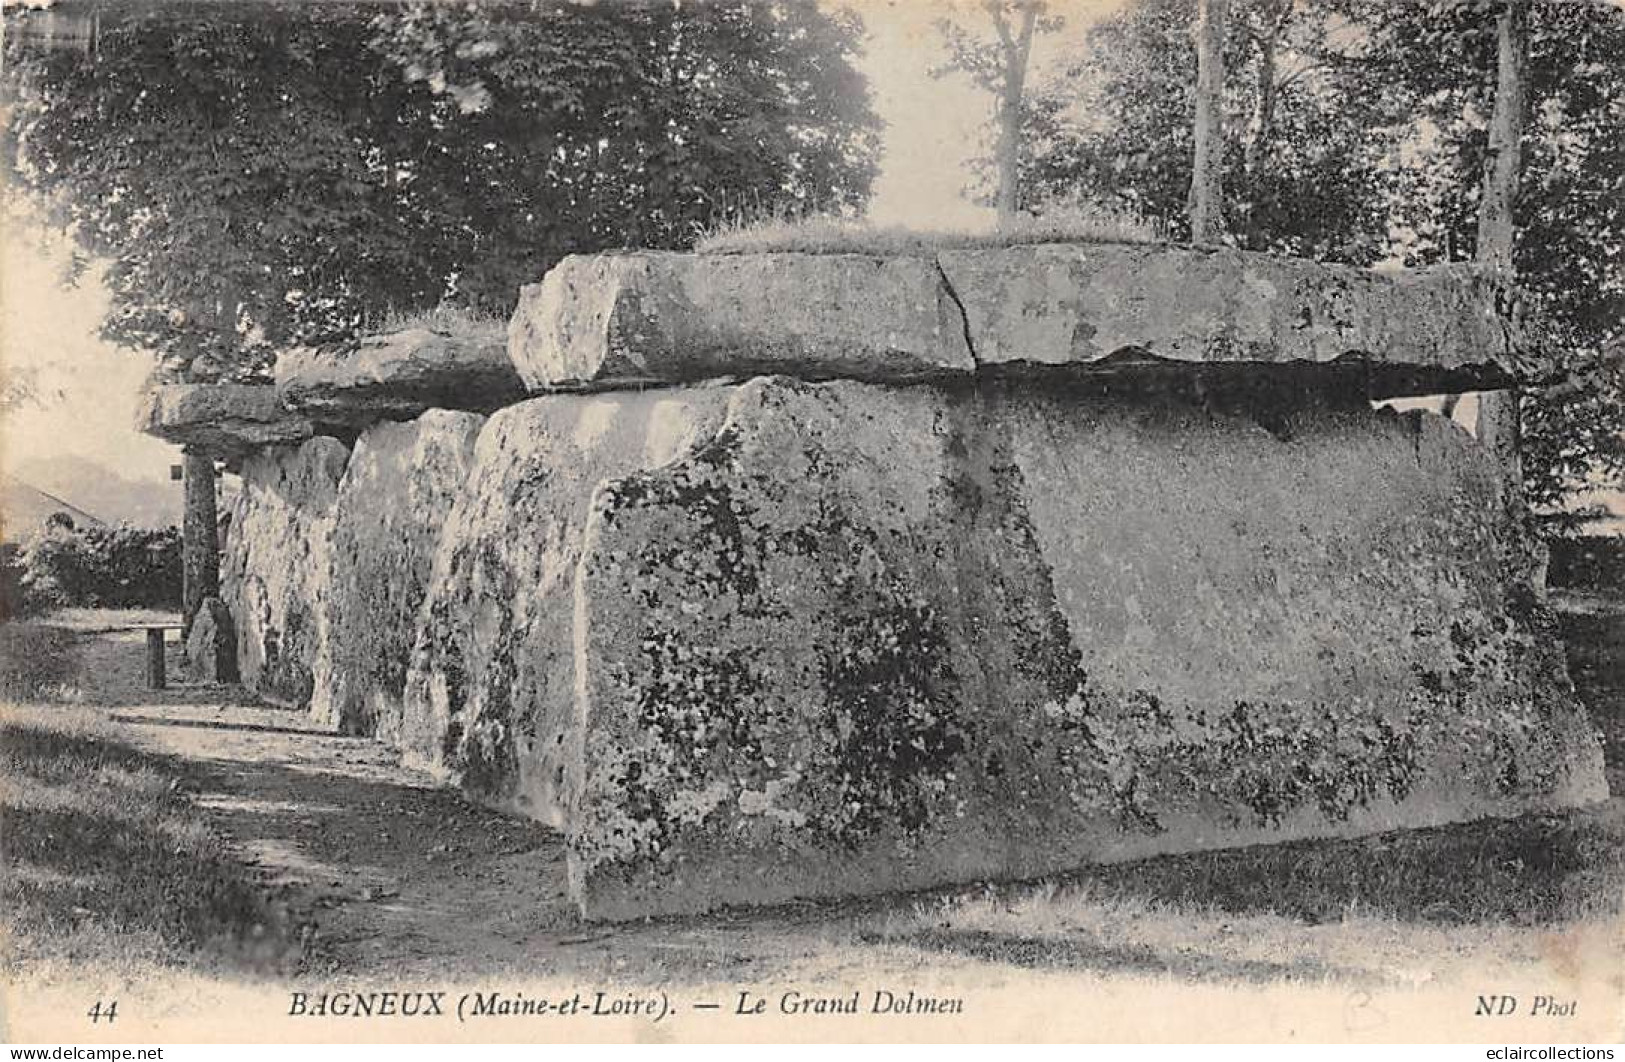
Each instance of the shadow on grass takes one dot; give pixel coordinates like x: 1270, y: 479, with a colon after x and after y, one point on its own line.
x: 1077, y: 953
x: 60, y: 757
x: 108, y: 863
x: 1532, y: 870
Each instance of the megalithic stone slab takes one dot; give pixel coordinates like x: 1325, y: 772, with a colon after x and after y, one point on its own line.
x: 868, y: 638
x: 274, y: 575
x: 491, y: 693
x: 211, y: 646
x: 400, y: 483
x: 222, y: 419
x: 1423, y: 331
x: 397, y: 375
x: 618, y: 320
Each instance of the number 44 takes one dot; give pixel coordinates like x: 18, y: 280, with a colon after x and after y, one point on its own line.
x: 98, y: 1012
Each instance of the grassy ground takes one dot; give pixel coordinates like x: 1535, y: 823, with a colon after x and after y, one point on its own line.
x: 108, y: 863
x: 38, y: 662
x: 829, y: 235
x: 447, y: 320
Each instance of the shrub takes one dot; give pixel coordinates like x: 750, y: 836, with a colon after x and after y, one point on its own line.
x: 15, y: 599
x: 105, y: 567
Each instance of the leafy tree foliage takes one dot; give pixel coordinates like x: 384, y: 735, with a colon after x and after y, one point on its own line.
x: 1569, y: 252
x: 268, y: 173
x: 1358, y: 133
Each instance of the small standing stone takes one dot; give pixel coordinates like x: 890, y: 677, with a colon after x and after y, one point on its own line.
x: 211, y: 646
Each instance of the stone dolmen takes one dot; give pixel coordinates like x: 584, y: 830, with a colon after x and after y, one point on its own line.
x: 814, y: 575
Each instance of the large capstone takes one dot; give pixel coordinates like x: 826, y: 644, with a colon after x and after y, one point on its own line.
x: 390, y: 508
x: 1102, y: 305
x: 274, y: 578
x: 644, y: 318
x: 226, y: 420
x: 397, y: 375
x: 606, y: 321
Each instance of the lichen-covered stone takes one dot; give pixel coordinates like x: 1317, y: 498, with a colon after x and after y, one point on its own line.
x: 276, y: 565
x: 617, y: 320
x: 1100, y: 305
x: 491, y: 692
x: 857, y: 638
x: 396, y: 376
x: 211, y: 645
x: 399, y: 484
x: 221, y: 419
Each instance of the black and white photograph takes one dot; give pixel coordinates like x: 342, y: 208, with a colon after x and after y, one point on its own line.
x: 559, y: 522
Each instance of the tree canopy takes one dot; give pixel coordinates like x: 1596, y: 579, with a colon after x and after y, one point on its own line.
x: 1357, y: 131
x: 264, y: 174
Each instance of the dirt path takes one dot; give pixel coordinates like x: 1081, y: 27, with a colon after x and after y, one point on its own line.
x: 400, y: 877
x: 397, y: 872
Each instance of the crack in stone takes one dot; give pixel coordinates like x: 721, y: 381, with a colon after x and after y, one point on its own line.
x: 964, y: 317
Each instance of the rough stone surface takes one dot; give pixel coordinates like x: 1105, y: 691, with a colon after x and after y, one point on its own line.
x: 491, y: 696
x: 391, y: 506
x: 399, y: 375
x: 856, y: 638
x: 615, y: 320
x: 755, y: 642
x: 618, y: 320
x: 274, y: 579
x: 211, y: 645
x: 1425, y: 330
x: 220, y: 419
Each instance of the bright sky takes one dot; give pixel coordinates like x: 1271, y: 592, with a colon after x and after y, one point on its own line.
x: 933, y: 125
x: 932, y: 129
x: 51, y: 327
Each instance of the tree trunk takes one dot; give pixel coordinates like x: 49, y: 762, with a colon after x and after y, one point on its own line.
x: 1017, y: 51
x: 1498, y: 420
x: 1207, y: 192
x: 1504, y: 159
x: 200, y: 538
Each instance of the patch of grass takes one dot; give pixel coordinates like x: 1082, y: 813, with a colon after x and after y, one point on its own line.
x: 1389, y: 909
x: 835, y: 235
x: 38, y: 662
x: 446, y: 319
x: 108, y: 864
x: 1532, y: 870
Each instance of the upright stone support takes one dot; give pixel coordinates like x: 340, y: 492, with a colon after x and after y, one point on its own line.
x: 200, y: 537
